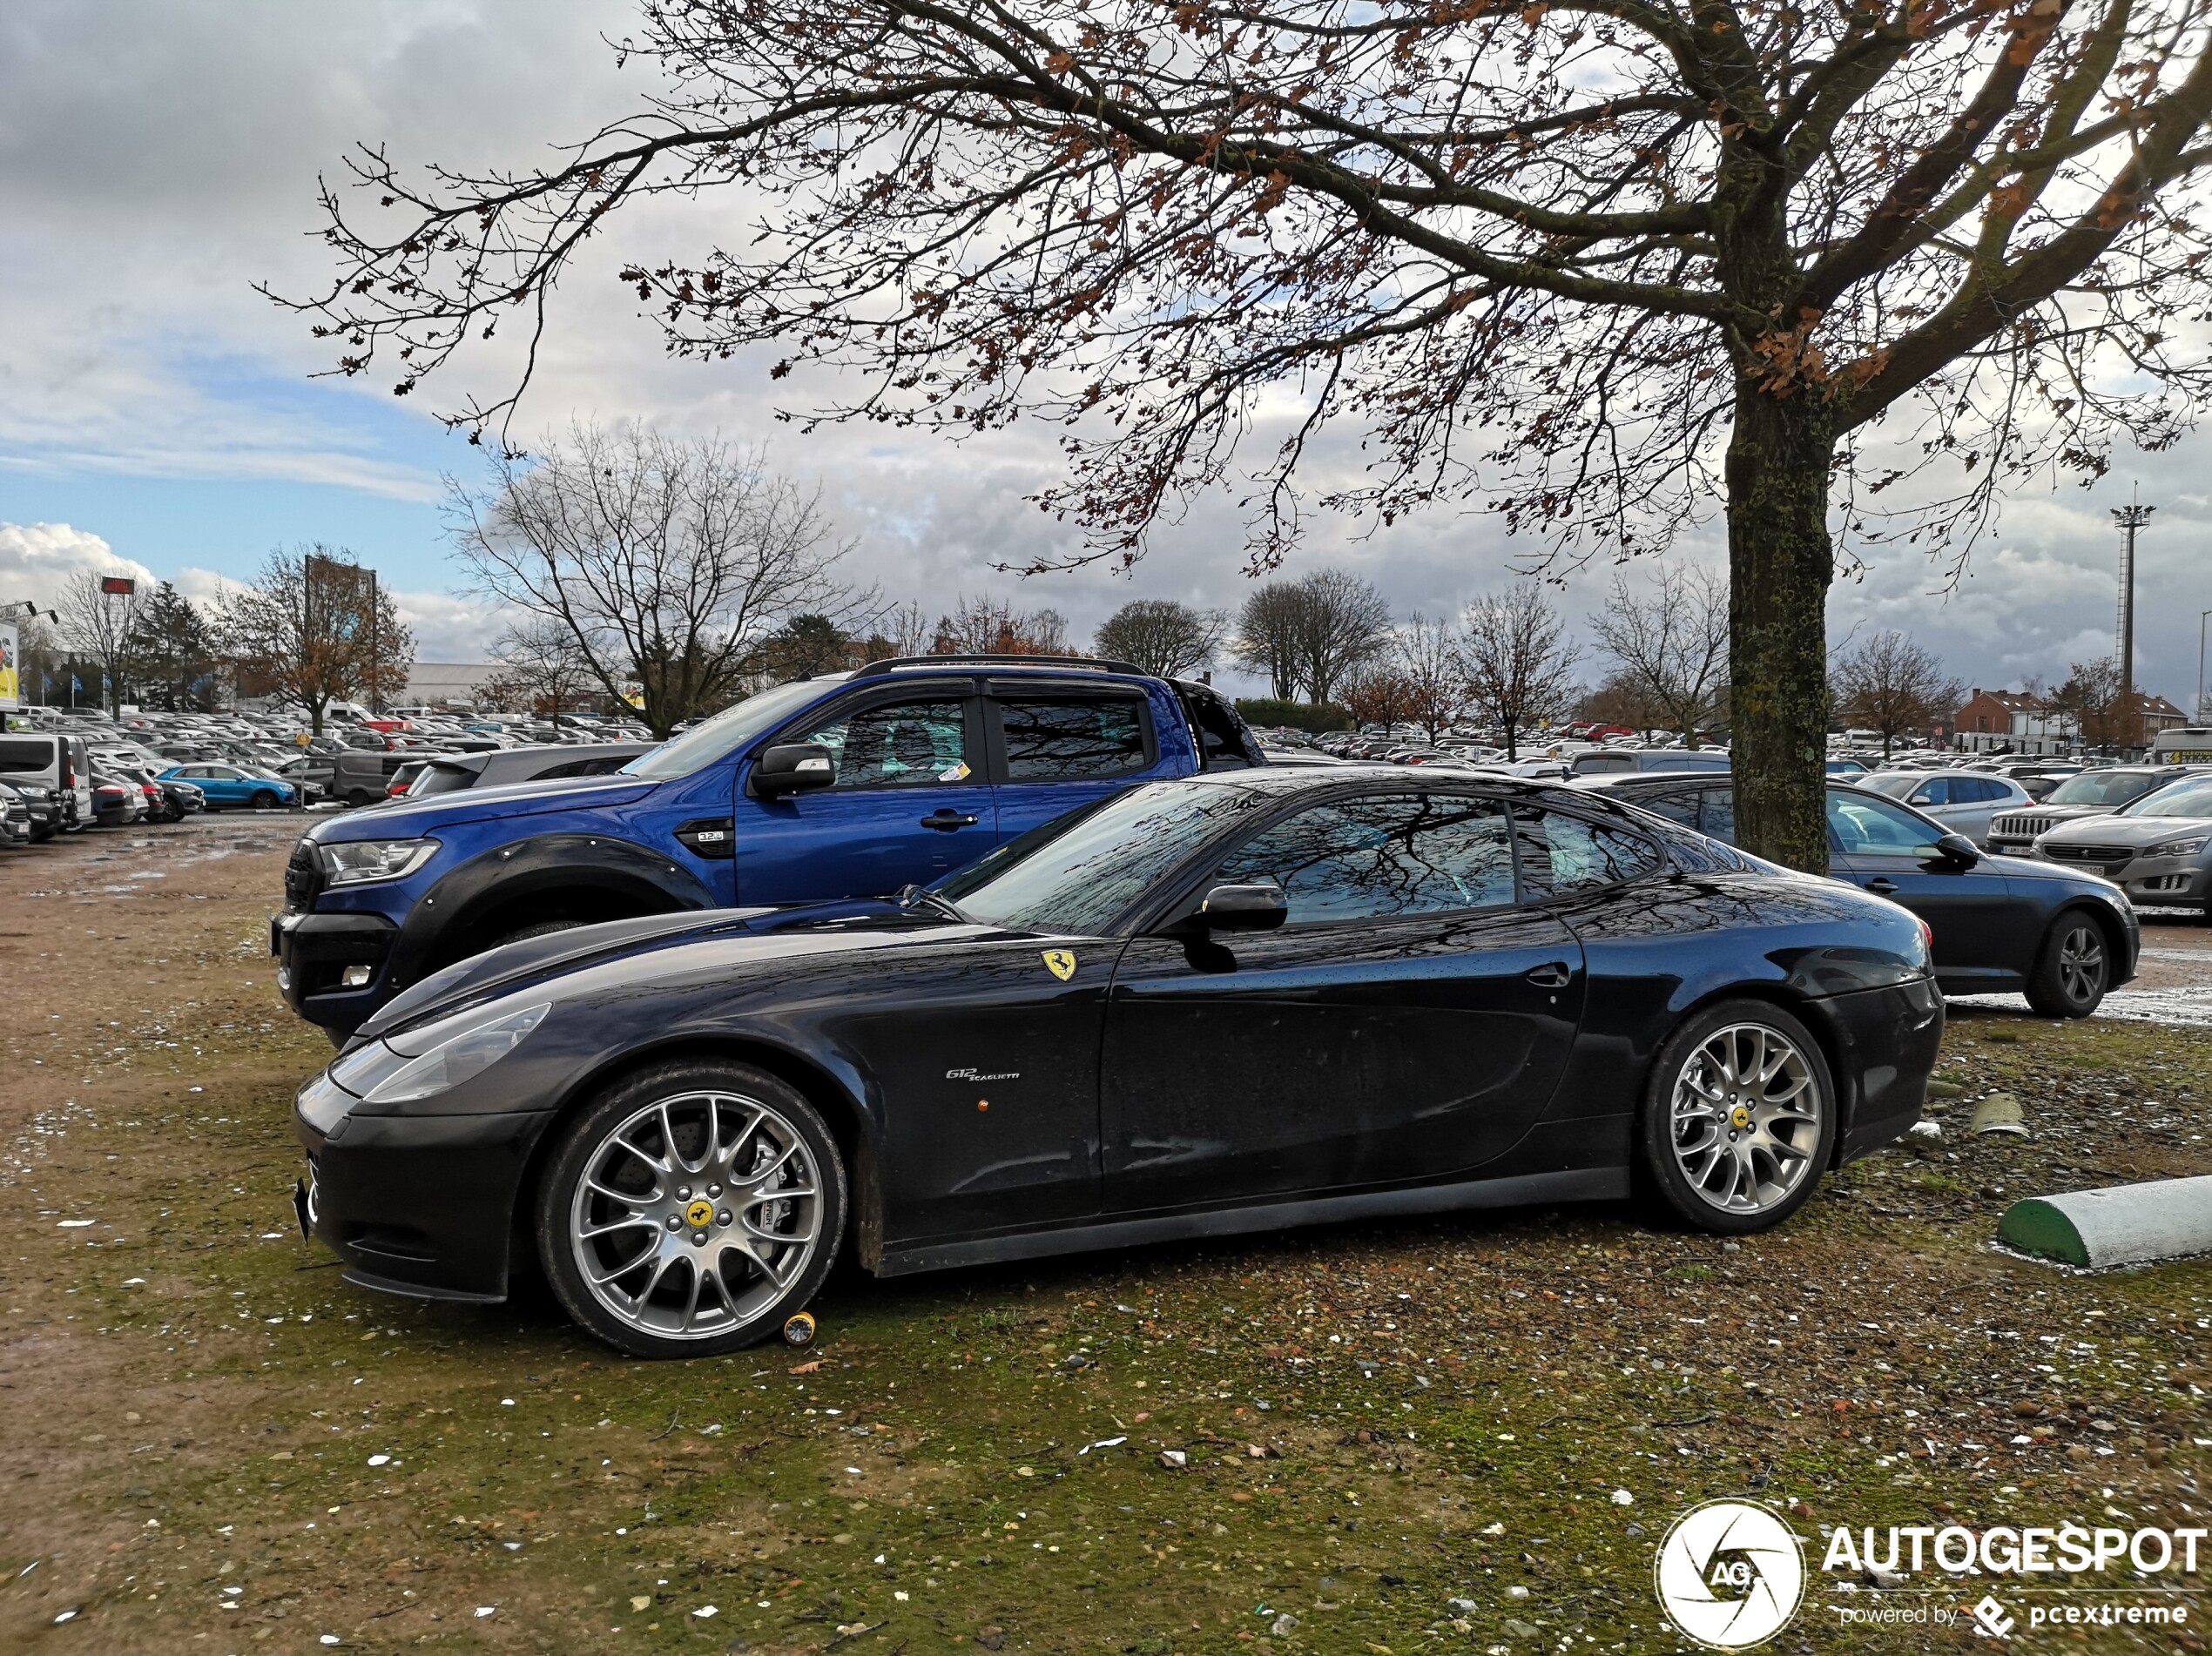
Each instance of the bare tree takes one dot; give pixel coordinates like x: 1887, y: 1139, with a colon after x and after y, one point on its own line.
x: 1665, y: 250
x: 541, y: 664
x: 99, y: 620
x: 314, y: 627
x: 1342, y: 624
x: 1519, y: 664
x: 2093, y: 695
x: 1266, y: 637
x: 908, y: 630
x: 990, y: 626
x: 1671, y: 643
x: 1429, y: 659
x: 1891, y: 684
x: 666, y: 560
x: 1161, y: 635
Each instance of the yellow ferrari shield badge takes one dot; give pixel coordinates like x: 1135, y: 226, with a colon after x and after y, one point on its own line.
x: 1061, y: 963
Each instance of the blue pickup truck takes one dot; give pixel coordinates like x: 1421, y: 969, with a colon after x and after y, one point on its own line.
x: 849, y: 785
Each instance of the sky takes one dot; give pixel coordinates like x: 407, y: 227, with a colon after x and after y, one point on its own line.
x: 158, y: 157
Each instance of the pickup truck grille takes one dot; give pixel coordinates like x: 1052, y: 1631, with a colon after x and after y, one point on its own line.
x: 2025, y: 825
x: 302, y: 878
x: 2091, y: 853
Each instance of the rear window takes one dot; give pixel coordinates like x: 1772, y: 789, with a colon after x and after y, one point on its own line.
x: 1047, y: 740
x: 26, y: 752
x: 441, y: 778
x: 1567, y: 854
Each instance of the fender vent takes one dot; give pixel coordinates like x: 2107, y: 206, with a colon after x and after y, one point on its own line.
x: 714, y: 838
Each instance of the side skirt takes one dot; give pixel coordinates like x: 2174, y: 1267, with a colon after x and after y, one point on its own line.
x: 1532, y: 1190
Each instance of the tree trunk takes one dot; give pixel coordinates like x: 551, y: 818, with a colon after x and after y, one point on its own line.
x: 1780, y: 565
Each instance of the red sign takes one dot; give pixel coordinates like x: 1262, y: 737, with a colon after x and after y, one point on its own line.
x: 120, y: 585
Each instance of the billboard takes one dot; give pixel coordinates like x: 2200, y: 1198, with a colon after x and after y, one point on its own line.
x: 11, y: 665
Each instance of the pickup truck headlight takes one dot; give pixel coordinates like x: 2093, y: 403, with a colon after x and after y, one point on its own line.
x: 356, y: 862
x: 437, y: 1056
x: 2178, y: 847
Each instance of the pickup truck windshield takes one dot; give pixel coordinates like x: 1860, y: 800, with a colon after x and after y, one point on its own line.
x: 725, y: 733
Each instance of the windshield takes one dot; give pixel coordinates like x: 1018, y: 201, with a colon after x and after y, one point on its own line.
x: 2101, y: 788
x: 725, y: 733
x: 1076, y: 874
x: 2190, y: 798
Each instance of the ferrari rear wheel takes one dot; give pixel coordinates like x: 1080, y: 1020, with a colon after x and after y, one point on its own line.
x: 1739, y: 1119
x: 691, y: 1209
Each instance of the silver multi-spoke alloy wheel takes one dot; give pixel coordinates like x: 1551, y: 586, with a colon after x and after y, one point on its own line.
x: 1745, y: 1119
x: 695, y: 1214
x: 2082, y: 962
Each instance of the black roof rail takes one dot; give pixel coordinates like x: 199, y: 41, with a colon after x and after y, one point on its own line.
x: 878, y: 668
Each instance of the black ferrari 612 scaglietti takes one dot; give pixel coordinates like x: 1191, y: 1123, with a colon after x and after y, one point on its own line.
x: 1224, y: 1005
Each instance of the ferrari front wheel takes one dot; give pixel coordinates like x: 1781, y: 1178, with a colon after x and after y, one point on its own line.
x: 691, y: 1209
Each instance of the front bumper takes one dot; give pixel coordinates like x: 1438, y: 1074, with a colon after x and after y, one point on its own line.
x: 315, y: 954
x: 420, y: 1205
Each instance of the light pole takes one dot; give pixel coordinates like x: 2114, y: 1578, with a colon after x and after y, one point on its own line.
x: 2197, y: 712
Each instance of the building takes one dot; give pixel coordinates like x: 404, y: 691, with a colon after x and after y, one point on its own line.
x: 2152, y: 715
x: 2002, y: 720
x: 447, y: 683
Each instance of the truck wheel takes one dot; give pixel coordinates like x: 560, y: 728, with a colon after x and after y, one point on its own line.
x: 359, y: 798
x: 542, y: 928
x: 2073, y: 971
x: 691, y: 1209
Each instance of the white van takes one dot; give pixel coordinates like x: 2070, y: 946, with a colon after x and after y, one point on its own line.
x: 58, y: 763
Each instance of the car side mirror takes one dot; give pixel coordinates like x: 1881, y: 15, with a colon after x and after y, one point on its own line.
x: 1243, y: 908
x: 1958, y: 851
x: 792, y: 767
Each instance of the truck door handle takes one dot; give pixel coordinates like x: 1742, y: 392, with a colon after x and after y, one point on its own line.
x: 1552, y: 975
x: 1881, y: 885
x: 944, y: 819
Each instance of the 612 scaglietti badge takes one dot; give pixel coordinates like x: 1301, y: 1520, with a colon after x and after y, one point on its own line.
x: 1265, y: 999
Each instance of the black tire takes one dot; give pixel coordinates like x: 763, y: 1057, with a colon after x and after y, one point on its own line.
x: 751, y: 1304
x: 1731, y: 1191
x: 263, y: 800
x: 359, y: 798
x: 2073, y: 968
x: 542, y: 928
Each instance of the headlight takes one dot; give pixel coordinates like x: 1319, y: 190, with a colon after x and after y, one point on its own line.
x: 2178, y: 847
x: 355, y: 862
x: 438, y: 1056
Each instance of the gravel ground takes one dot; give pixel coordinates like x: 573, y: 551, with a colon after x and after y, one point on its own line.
x: 1449, y: 1435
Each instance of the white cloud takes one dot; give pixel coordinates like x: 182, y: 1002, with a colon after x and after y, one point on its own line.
x: 37, y: 559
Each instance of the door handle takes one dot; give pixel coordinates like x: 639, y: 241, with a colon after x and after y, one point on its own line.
x: 1552, y: 975
x: 1881, y: 885
x: 944, y: 819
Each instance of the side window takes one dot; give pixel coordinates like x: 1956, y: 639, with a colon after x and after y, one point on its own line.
x: 1052, y: 741
x: 1381, y: 857
x: 1717, y: 818
x: 1675, y: 807
x: 1934, y: 791
x: 897, y: 743
x: 1864, y: 826
x: 1571, y: 855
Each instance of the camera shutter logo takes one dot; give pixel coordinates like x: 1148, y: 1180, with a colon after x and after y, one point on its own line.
x: 1730, y: 1574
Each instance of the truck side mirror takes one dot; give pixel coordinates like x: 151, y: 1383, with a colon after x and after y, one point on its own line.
x: 792, y: 767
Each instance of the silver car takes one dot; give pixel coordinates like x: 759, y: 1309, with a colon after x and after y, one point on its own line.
x: 2158, y: 850
x: 2092, y: 793
x: 1966, y: 802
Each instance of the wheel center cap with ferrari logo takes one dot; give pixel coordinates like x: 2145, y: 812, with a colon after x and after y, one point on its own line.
x: 700, y: 1214
x: 1740, y: 1116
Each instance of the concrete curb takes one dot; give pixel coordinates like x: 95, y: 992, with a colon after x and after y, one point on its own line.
x: 2125, y: 1225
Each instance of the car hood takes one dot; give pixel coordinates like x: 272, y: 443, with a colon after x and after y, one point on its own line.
x: 417, y: 819
x: 2126, y: 830
x: 735, y: 943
